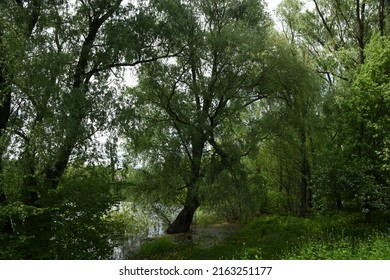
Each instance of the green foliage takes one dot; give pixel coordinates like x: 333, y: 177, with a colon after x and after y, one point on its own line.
x: 337, y: 236
x: 227, y: 115
x: 205, y: 216
x: 73, y: 224
x: 355, y: 170
x: 150, y: 249
x: 133, y: 219
x: 350, y: 165
x: 334, y: 33
x: 61, y: 62
x: 81, y: 227
x: 186, y: 118
x: 285, y: 158
x: 373, y: 247
x: 278, y: 202
x: 24, y: 244
x: 342, y: 236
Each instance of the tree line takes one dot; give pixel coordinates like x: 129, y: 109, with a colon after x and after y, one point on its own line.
x: 229, y: 114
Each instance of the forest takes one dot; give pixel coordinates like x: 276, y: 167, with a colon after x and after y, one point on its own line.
x: 146, y: 129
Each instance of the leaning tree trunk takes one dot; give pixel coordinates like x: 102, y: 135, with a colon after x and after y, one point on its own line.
x: 183, y: 221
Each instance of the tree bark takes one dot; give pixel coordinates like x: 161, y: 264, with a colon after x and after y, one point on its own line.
x: 381, y: 15
x: 6, y: 225
x: 5, y: 93
x: 360, y: 37
x: 305, y: 177
x: 5, y: 104
x: 183, y: 221
x: 5, y: 112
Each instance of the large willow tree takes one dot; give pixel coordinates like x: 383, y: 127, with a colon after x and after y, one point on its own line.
x: 187, y: 114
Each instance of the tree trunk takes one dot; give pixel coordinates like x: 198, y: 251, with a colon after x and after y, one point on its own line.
x: 305, y: 177
x: 5, y: 95
x: 6, y: 225
x: 183, y: 221
x: 381, y: 13
x: 339, y: 204
x: 5, y: 105
x: 5, y: 112
x: 360, y: 37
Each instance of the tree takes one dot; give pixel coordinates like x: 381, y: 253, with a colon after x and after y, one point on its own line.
x: 359, y: 164
x: 337, y: 34
x: 286, y: 157
x: 26, y: 17
x: 334, y: 32
x: 186, y: 115
x: 61, y: 64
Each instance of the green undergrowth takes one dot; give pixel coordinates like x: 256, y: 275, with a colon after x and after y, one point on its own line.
x: 339, y: 236
x: 374, y: 246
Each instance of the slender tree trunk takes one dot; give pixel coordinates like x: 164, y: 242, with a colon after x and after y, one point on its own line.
x: 5, y: 94
x: 361, y: 18
x: 183, y: 221
x: 381, y: 14
x: 339, y: 204
x: 5, y: 112
x: 305, y: 176
x: 5, y: 105
x: 5, y: 225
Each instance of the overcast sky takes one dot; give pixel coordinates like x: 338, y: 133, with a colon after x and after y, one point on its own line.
x: 272, y: 4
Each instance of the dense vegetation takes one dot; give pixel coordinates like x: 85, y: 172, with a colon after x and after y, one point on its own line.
x: 284, y: 129
x: 336, y: 237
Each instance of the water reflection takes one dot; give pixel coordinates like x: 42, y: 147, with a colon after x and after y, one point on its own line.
x: 153, y: 226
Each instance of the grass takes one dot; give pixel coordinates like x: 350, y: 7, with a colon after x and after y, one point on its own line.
x: 375, y: 246
x: 341, y: 236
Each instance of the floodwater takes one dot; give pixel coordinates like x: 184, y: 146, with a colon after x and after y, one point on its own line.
x: 206, y: 236
x: 201, y: 236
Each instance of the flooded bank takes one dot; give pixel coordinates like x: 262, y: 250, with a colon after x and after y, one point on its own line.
x: 206, y: 236
x: 152, y: 226
x: 201, y: 236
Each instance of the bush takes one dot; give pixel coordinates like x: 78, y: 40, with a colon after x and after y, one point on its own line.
x: 81, y: 226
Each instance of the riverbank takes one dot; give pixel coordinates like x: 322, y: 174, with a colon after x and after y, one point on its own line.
x: 341, y: 236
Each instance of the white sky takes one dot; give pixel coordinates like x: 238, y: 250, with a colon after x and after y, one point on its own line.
x: 272, y: 4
